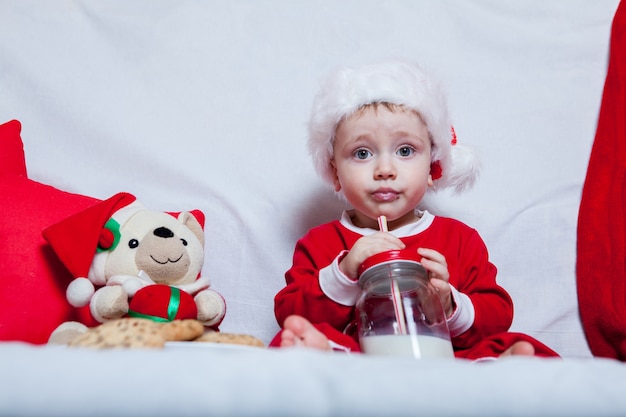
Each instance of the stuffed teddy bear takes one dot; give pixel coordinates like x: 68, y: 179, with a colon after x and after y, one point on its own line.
x: 128, y: 260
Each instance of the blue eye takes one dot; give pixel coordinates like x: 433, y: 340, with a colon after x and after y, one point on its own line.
x: 405, y: 151
x: 362, y: 154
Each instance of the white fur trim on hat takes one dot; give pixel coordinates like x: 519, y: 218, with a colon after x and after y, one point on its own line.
x: 396, y: 82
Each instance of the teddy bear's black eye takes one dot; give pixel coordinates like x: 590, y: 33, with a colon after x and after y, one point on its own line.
x: 184, y: 242
x: 133, y: 243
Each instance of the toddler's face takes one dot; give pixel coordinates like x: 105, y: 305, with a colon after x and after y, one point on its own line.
x: 382, y: 163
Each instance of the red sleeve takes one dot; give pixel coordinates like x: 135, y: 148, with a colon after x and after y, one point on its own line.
x: 302, y: 294
x: 493, y: 305
x: 601, y: 241
x: 473, y: 274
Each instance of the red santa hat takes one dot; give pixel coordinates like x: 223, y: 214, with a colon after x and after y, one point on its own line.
x: 396, y: 82
x: 82, y: 240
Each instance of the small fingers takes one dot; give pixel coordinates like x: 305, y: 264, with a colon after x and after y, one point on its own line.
x: 435, y: 263
x: 432, y: 255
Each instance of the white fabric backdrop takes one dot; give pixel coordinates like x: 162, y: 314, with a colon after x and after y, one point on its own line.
x: 204, y: 104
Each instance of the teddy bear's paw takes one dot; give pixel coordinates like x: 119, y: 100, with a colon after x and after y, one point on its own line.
x: 211, y: 307
x: 66, y: 332
x: 109, y: 303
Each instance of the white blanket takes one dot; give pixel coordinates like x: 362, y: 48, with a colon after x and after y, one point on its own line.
x: 251, y: 382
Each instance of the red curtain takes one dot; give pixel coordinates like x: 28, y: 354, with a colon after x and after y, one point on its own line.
x: 601, y: 240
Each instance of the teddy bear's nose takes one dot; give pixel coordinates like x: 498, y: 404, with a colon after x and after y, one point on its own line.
x: 163, y: 232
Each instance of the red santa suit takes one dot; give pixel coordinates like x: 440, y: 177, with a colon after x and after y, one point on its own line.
x: 317, y: 289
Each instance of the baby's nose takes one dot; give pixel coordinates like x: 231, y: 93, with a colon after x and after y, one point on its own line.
x: 385, y: 169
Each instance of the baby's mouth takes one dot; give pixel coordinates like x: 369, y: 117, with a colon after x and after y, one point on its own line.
x: 385, y: 195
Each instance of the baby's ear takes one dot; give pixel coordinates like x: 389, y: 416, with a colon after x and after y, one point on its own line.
x: 435, y: 170
x: 336, y: 182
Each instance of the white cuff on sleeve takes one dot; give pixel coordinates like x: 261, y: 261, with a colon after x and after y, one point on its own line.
x: 463, y: 316
x: 337, y: 286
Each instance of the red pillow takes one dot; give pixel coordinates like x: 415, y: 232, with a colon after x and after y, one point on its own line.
x: 12, y: 155
x: 32, y: 279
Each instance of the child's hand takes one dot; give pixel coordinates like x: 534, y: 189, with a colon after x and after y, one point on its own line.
x: 435, y: 264
x: 364, y: 248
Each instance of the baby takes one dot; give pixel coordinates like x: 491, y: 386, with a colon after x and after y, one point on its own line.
x: 381, y: 135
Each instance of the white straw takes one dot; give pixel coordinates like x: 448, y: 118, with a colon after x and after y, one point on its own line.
x: 396, y: 297
x: 397, y: 306
x: 382, y: 223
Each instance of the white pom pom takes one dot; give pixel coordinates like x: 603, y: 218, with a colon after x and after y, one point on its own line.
x: 464, y: 168
x: 79, y: 292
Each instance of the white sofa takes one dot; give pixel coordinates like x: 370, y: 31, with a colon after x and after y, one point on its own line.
x: 204, y: 105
